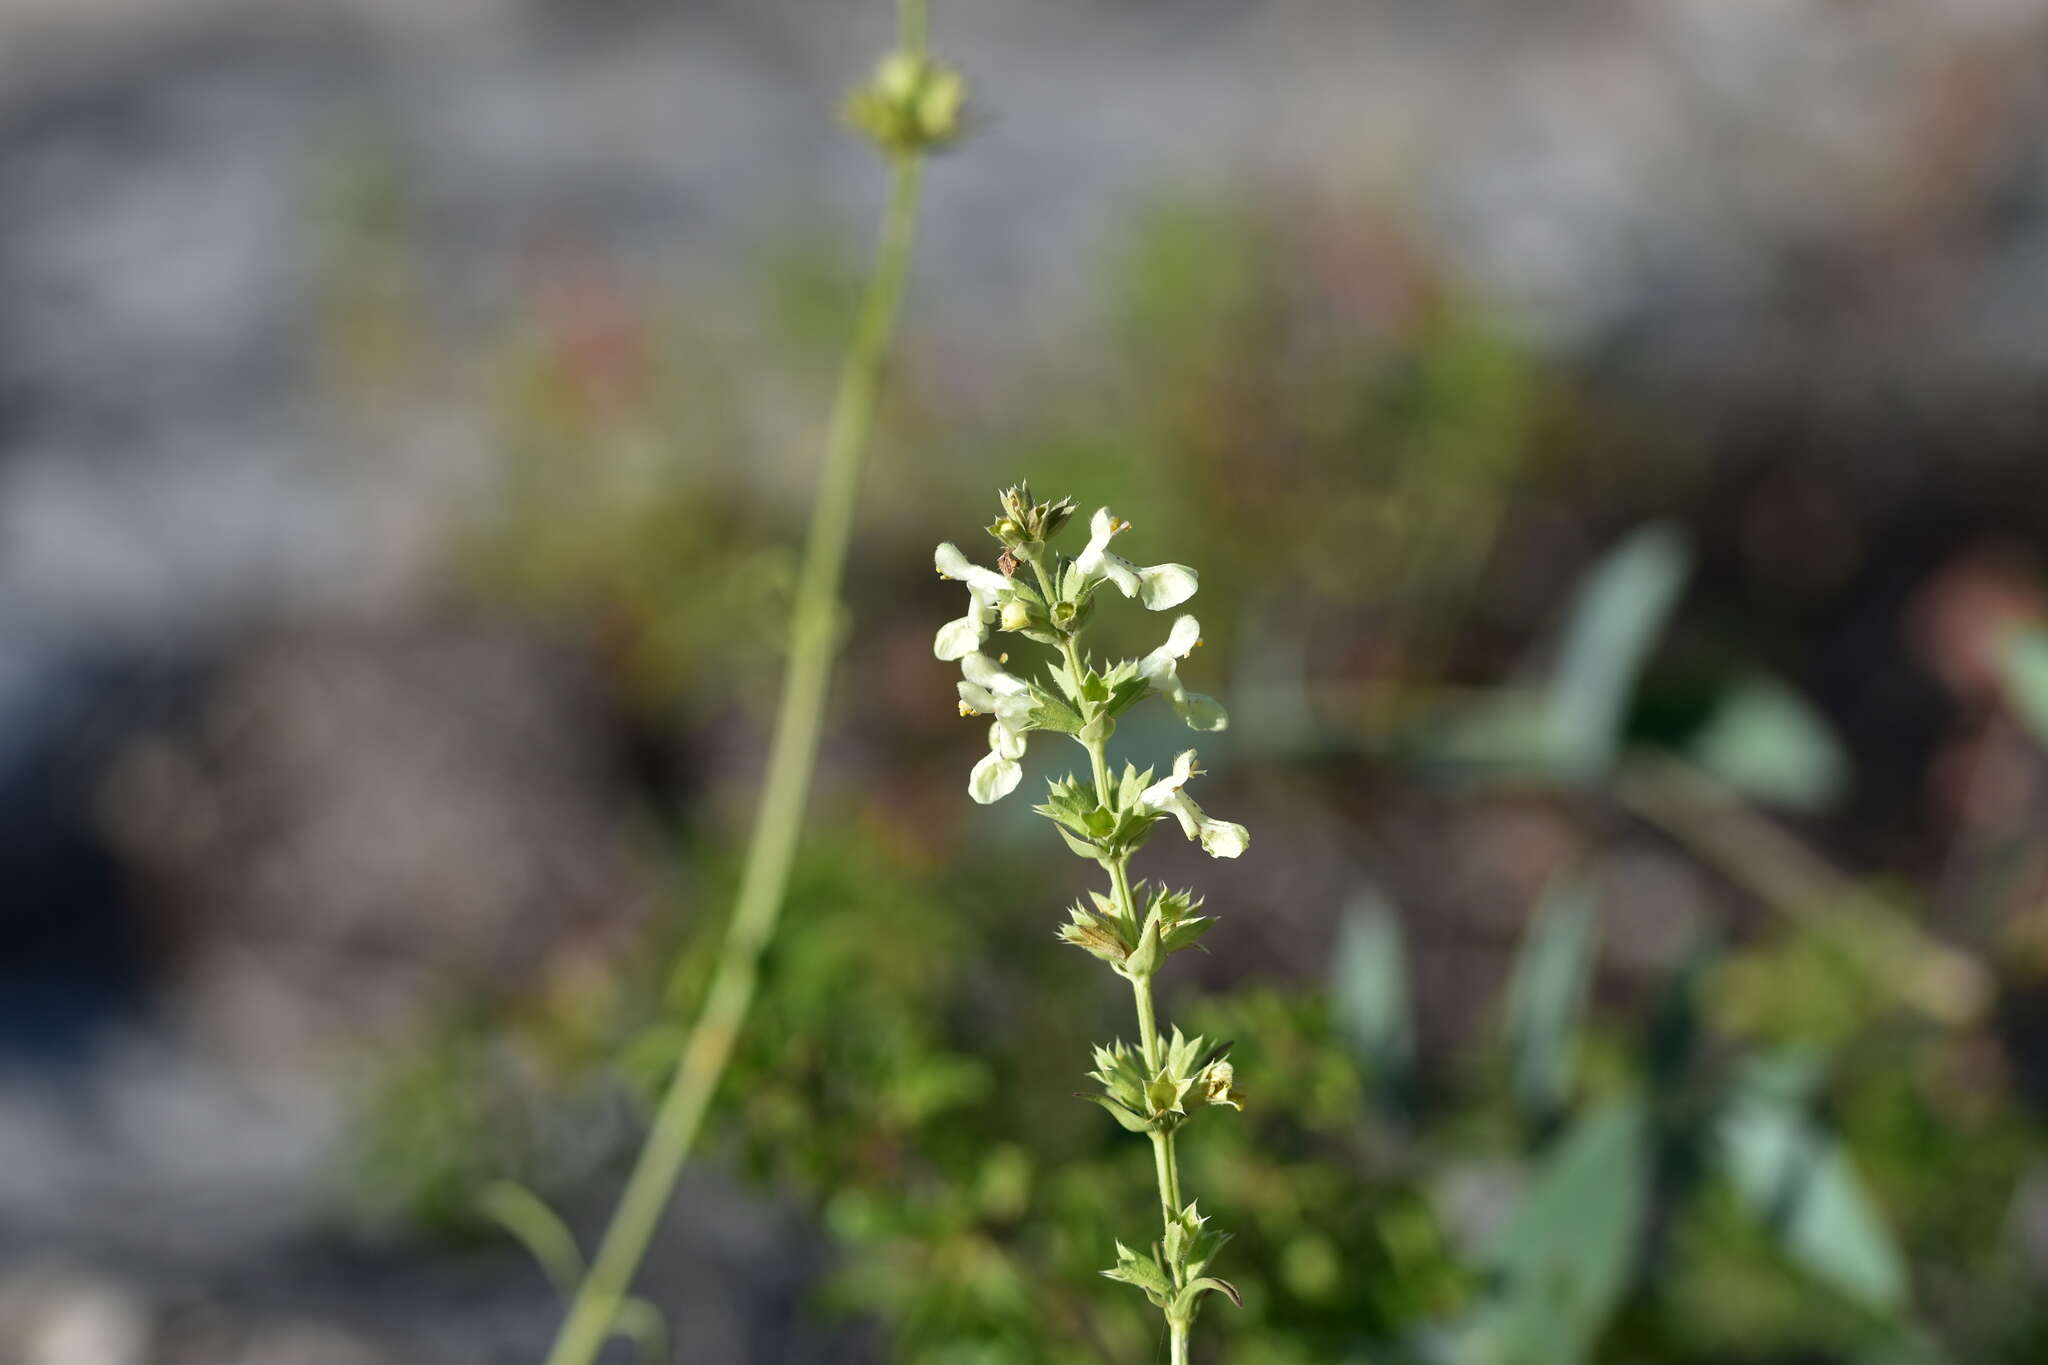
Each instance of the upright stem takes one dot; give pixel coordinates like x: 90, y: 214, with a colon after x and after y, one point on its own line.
x: 778, y: 819
x: 1165, y: 1161
x: 1148, y: 1027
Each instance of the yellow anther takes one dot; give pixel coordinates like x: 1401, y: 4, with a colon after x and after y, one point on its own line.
x: 967, y: 710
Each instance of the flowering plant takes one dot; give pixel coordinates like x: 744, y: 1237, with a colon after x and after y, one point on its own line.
x: 1048, y: 598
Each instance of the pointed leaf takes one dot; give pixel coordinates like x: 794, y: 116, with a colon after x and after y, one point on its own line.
x: 1615, y: 621
x: 1131, y: 1120
x: 1206, y: 1283
x: 1369, y: 988
x: 539, y: 1229
x: 1799, y: 1180
x: 1567, y: 1253
x: 2024, y: 670
x: 1547, y: 996
x: 640, y: 1322
x: 1769, y: 743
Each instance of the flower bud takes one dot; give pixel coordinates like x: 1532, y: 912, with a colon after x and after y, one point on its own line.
x: 1016, y: 615
x: 912, y: 104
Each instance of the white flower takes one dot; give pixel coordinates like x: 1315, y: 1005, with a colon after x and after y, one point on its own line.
x: 987, y: 690
x: 1219, y: 838
x: 998, y: 772
x: 1158, y: 586
x: 1161, y: 669
x: 986, y: 590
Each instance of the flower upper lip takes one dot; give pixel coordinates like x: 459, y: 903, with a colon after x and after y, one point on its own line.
x: 986, y: 590
x: 1158, y: 586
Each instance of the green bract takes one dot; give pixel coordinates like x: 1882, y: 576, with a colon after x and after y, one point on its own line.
x: 1045, y: 597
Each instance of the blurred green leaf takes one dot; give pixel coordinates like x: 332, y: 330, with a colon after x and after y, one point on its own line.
x: 1798, y: 1180
x: 1615, y: 621
x: 1369, y: 988
x: 539, y: 1229
x: 1768, y: 743
x: 641, y: 1323
x: 1566, y: 1256
x: 1547, y: 996
x: 2024, y: 666
x: 1504, y: 732
x: 1902, y: 1346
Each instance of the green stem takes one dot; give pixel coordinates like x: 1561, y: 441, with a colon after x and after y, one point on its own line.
x: 1141, y: 987
x: 778, y: 820
x: 1169, y: 1175
x: 1165, y: 1161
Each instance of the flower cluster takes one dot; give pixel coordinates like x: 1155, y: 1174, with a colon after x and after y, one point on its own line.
x: 913, y: 104
x: 1143, y: 1097
x: 1053, y: 611
x: 1047, y: 598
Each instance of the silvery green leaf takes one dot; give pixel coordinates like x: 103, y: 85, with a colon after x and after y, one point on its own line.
x: 1546, y: 998
x: 2023, y: 665
x: 1615, y: 621
x: 1369, y: 988
x: 1767, y: 742
x: 1799, y: 1181
x: 1568, y: 1251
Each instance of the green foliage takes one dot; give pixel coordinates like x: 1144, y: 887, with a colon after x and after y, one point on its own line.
x: 1369, y: 991
x: 1766, y: 742
x: 1797, y: 1179
x: 1615, y: 622
x: 1569, y: 728
x: 2024, y: 666
x: 1567, y: 1256
x: 1546, y: 1000
x: 1608, y: 1183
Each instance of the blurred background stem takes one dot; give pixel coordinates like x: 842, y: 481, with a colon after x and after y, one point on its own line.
x: 792, y: 756
x: 1947, y: 984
